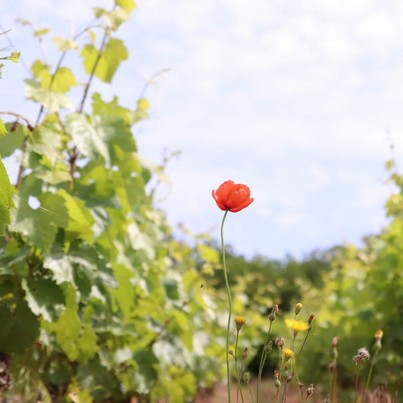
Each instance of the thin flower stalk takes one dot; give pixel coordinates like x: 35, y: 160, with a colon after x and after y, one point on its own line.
x: 266, y: 350
x: 310, y: 319
x: 333, y: 370
x: 377, y: 348
x: 233, y: 197
x: 229, y: 306
x: 239, y: 322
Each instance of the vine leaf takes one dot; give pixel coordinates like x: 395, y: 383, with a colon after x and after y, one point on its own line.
x: 5, y: 198
x: 114, y: 53
x: 51, y: 100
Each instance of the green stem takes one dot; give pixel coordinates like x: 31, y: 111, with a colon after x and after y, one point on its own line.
x: 229, y: 306
x: 261, y: 365
x: 237, y: 372
x: 303, y: 343
x: 370, y: 374
x: 356, y: 388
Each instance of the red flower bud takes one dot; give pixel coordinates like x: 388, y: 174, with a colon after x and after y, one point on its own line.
x: 232, y: 196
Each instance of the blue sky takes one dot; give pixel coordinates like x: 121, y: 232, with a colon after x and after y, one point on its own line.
x: 299, y: 100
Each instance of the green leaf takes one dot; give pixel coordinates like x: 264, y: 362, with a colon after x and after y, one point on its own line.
x: 208, y: 254
x: 88, y: 340
x: 112, y: 108
x: 63, y: 45
x: 124, y: 294
x: 40, y: 32
x: 19, y: 327
x: 15, y: 57
x: 44, y: 297
x: 61, y: 267
x: 62, y: 82
x: 127, y: 5
x: 5, y: 198
x: 142, y: 110
x: 68, y: 326
x: 114, y: 53
x: 90, y: 141
x: 40, y: 225
x: 3, y: 130
x: 30, y: 223
x: 51, y: 100
x: 113, y: 18
x: 13, y: 140
x: 46, y: 141
x: 80, y: 219
x: 101, y: 135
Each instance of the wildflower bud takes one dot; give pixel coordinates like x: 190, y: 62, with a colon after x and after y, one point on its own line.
x: 335, y: 341
x: 231, y: 353
x: 378, y: 334
x: 239, y: 322
x: 333, y: 366
x: 272, y: 316
x: 246, y: 377
x: 280, y: 342
x: 310, y: 319
x: 268, y: 346
x: 298, y: 308
x: 277, y: 384
x: 245, y: 354
x: 276, y: 373
x: 310, y: 390
x: 362, y: 355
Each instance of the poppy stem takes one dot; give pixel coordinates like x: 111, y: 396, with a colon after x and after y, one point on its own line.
x: 229, y: 305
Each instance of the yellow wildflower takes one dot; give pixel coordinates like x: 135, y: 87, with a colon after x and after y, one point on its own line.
x: 379, y: 334
x: 239, y: 322
x: 296, y: 325
x: 287, y: 354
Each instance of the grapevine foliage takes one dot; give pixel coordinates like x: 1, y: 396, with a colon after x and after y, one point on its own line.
x: 97, y: 300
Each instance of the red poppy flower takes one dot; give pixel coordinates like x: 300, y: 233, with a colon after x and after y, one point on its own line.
x: 232, y: 196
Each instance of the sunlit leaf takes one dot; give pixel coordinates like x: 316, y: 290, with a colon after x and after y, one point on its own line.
x: 40, y: 32
x: 3, y: 132
x: 53, y: 101
x: 127, y: 5
x: 13, y: 140
x: 114, y: 53
x: 63, y: 45
x: 5, y: 198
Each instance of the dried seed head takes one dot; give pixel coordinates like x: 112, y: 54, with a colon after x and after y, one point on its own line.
x: 310, y: 390
x: 362, y: 355
x: 245, y: 354
x: 280, y: 342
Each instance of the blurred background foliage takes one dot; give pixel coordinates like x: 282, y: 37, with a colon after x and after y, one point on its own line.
x: 100, y: 302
